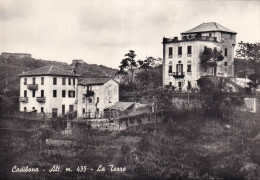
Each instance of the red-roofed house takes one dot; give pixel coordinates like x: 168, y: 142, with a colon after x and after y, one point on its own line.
x: 181, y: 57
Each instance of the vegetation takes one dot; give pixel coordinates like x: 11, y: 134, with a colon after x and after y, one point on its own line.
x: 188, y: 146
x: 210, y: 57
x: 251, y: 53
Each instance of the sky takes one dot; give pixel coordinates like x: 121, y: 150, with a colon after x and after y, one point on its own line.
x: 103, y: 31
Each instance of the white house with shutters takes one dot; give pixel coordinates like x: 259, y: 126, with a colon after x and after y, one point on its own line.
x: 181, y: 57
x: 49, y: 89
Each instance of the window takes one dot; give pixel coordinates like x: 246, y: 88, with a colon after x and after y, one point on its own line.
x: 215, y: 48
x: 33, y: 93
x: 179, y: 51
x: 54, y: 81
x: 42, y: 110
x: 25, y: 81
x: 54, y: 93
x: 63, y: 109
x: 71, y: 108
x: 90, y: 100
x: 71, y: 94
x: 170, y: 84
x: 25, y: 93
x: 170, y: 68
x: 42, y: 80
x: 225, y: 63
x: 189, y: 50
x: 42, y: 93
x: 97, y: 99
x: 33, y: 108
x: 179, y: 67
x: 63, y: 93
x: 24, y: 108
x: 170, y: 52
x: 71, y: 81
x: 189, y: 68
x: 83, y: 111
x: 210, y: 34
x: 63, y: 81
x: 33, y: 80
x: 226, y: 52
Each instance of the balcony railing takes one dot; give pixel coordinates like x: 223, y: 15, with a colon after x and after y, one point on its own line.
x: 178, y: 74
x: 32, y: 86
x: 23, y: 99
x: 193, y: 38
x: 89, y: 93
x: 41, y: 99
x: 188, y: 55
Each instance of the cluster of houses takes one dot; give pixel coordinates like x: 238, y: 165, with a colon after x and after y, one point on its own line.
x: 57, y: 91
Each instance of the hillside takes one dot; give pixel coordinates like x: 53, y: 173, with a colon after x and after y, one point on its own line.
x: 11, y: 67
x: 188, y: 146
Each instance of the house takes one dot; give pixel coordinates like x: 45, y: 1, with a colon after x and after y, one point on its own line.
x: 49, y: 89
x: 182, y: 66
x: 124, y: 109
x: 94, y: 94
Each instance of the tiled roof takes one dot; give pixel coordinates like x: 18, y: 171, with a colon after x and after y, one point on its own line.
x: 93, y: 81
x: 207, y: 27
x: 121, y: 106
x: 49, y: 70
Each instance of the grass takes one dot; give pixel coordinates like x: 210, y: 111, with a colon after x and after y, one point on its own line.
x: 186, y: 147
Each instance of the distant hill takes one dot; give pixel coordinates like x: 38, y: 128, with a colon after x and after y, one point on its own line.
x: 11, y: 67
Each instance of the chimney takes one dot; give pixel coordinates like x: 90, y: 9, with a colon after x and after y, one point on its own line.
x: 74, y: 71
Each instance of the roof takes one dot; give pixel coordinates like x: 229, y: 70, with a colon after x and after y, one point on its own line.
x: 49, y: 70
x: 121, y: 106
x: 207, y: 27
x: 94, y: 81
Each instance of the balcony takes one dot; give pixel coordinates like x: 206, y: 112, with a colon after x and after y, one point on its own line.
x: 89, y: 93
x: 188, y: 55
x: 178, y: 74
x: 40, y: 99
x: 32, y: 86
x: 23, y: 99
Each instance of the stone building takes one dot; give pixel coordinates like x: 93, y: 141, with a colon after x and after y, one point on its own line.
x: 95, y: 94
x: 181, y: 57
x: 49, y: 89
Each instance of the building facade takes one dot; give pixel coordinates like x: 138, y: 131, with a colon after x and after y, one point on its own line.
x: 57, y: 92
x: 182, y: 66
x: 94, y: 95
x: 49, y: 90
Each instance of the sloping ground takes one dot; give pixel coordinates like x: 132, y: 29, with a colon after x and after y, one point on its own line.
x: 186, y: 147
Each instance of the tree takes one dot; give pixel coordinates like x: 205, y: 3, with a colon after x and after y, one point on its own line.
x: 149, y: 63
x: 250, y: 52
x: 209, y: 57
x: 128, y: 64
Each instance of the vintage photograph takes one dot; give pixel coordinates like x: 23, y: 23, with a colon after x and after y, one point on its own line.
x: 120, y: 89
